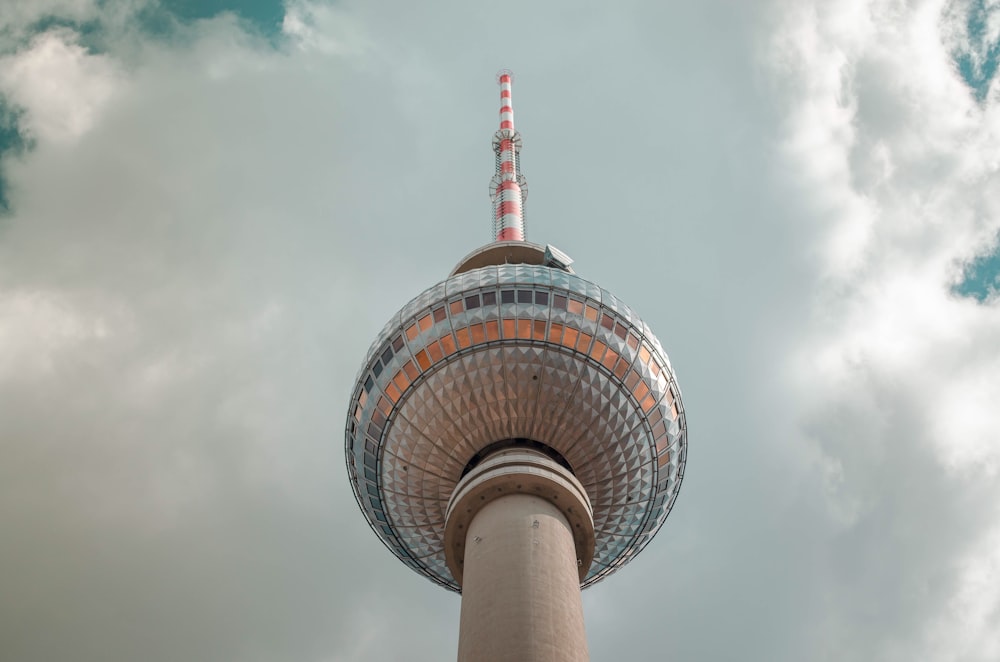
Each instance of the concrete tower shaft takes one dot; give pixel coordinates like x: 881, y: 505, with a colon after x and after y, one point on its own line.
x: 519, y: 470
x: 520, y: 538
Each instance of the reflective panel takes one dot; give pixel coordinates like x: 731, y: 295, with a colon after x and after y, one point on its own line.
x: 515, y: 351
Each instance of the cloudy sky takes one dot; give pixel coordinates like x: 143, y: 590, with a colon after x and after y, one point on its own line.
x: 211, y: 208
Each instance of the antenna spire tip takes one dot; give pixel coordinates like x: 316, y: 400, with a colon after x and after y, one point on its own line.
x: 505, y: 72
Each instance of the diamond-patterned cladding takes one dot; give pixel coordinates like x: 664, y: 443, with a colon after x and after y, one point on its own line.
x: 505, y: 352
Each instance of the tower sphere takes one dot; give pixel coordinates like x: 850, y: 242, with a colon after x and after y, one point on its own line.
x: 513, y: 349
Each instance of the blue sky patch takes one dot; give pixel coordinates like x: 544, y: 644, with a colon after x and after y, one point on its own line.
x: 982, y: 277
x: 264, y: 15
x: 11, y: 142
x: 979, y: 65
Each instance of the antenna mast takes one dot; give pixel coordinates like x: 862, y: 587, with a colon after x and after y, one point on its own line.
x: 508, y: 188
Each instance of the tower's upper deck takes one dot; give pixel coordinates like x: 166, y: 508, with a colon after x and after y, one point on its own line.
x: 515, y: 351
x: 513, y: 347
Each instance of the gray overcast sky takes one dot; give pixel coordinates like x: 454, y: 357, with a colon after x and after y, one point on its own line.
x: 213, y: 208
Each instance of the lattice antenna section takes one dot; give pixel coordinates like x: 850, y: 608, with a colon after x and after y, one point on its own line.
x: 508, y: 188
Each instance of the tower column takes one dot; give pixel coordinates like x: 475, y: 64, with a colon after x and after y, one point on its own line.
x: 520, y: 538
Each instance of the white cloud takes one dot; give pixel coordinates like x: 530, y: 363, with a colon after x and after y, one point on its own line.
x: 60, y: 85
x: 967, y: 629
x: 900, y: 162
x: 36, y: 329
x: 323, y: 28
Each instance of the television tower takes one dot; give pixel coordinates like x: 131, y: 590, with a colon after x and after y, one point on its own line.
x: 516, y: 434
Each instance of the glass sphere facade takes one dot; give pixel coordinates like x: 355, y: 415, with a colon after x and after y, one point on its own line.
x: 507, y: 352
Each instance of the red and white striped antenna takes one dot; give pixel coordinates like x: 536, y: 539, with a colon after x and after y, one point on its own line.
x: 508, y: 188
